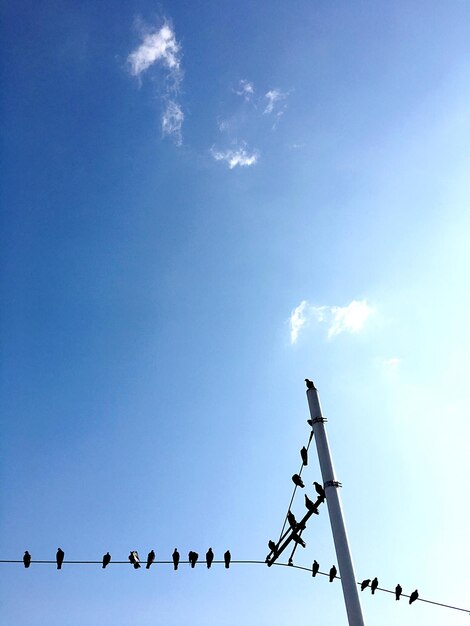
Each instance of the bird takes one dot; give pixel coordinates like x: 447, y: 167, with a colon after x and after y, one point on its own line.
x: 272, y: 545
x: 333, y: 572
x: 414, y: 596
x: 311, y: 506
x: 134, y: 559
x: 319, y: 489
x: 209, y: 558
x: 227, y: 559
x: 298, y: 481
x: 193, y: 557
x: 106, y: 559
x: 59, y: 557
x: 374, y: 585
x: 304, y: 455
x: 309, y: 384
x: 176, y: 559
x: 291, y: 519
x: 150, y: 559
x: 398, y: 590
x: 315, y: 568
x: 365, y: 583
x: 27, y: 559
x: 298, y: 539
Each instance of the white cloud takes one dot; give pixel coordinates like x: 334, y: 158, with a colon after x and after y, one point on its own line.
x: 238, y: 157
x: 391, y: 363
x: 160, y: 45
x: 172, y: 121
x: 245, y: 89
x: 273, y: 96
x: 350, y: 318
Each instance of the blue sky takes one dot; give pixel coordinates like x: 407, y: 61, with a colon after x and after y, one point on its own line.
x: 202, y: 204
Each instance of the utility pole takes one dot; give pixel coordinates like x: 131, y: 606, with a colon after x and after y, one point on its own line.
x: 338, y: 528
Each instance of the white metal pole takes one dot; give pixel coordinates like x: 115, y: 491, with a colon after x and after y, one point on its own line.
x: 338, y: 528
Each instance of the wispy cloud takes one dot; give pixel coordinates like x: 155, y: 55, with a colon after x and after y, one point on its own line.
x: 245, y: 89
x: 239, y: 157
x: 160, y: 47
x: 273, y: 96
x: 340, y: 319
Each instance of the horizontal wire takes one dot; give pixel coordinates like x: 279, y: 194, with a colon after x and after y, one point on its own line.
x: 253, y: 562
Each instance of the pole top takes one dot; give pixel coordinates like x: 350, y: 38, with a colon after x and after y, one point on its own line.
x: 310, y: 384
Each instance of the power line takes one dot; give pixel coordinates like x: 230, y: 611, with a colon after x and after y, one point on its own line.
x: 237, y: 562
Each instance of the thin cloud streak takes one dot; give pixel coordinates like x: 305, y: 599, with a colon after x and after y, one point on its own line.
x: 234, y: 158
x: 172, y: 121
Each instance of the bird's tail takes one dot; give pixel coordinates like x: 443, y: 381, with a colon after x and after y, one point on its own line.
x: 136, y: 565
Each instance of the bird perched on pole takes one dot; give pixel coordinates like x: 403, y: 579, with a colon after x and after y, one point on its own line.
x: 106, y: 560
x: 298, y: 481
x: 319, y: 489
x: 398, y: 591
x: 374, y: 585
x: 134, y: 559
x: 333, y: 572
x: 298, y: 539
x: 176, y: 559
x: 365, y: 583
x: 209, y: 558
x: 414, y: 596
x: 304, y: 455
x: 291, y: 519
x: 315, y: 568
x: 227, y: 559
x: 59, y: 557
x: 27, y: 559
x: 309, y: 384
x: 193, y: 557
x: 150, y: 559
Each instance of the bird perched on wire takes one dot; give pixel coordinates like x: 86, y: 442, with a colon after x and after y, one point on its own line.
x: 27, y: 559
x: 309, y: 384
x: 374, y: 585
x: 319, y: 489
x: 209, y: 558
x: 398, y: 591
x: 298, y: 481
x: 193, y: 557
x: 315, y: 567
x: 304, y: 455
x: 106, y: 560
x: 298, y: 539
x: 134, y: 559
x: 227, y: 559
x: 59, y: 557
x: 311, y: 506
x: 272, y: 545
x: 365, y: 583
x: 150, y: 559
x: 176, y: 559
x: 414, y: 596
x: 291, y: 519
x: 333, y: 572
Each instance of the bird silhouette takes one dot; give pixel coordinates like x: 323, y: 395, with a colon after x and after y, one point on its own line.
x: 298, y: 539
x: 374, y: 585
x: 272, y: 545
x: 414, y: 596
x: 315, y: 568
x: 227, y: 559
x: 150, y: 559
x: 134, y: 559
x: 27, y: 559
x: 291, y: 519
x: 59, y: 558
x: 193, y: 557
x: 311, y: 506
x: 398, y: 591
x: 176, y: 559
x: 309, y: 384
x: 319, y: 489
x: 333, y: 572
x: 365, y: 583
x: 304, y: 455
x: 106, y: 559
x: 298, y: 481
x: 209, y: 558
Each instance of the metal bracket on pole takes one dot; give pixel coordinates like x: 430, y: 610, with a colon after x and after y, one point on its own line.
x: 332, y: 483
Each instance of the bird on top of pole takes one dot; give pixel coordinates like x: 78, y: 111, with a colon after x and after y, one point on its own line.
x: 309, y: 384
